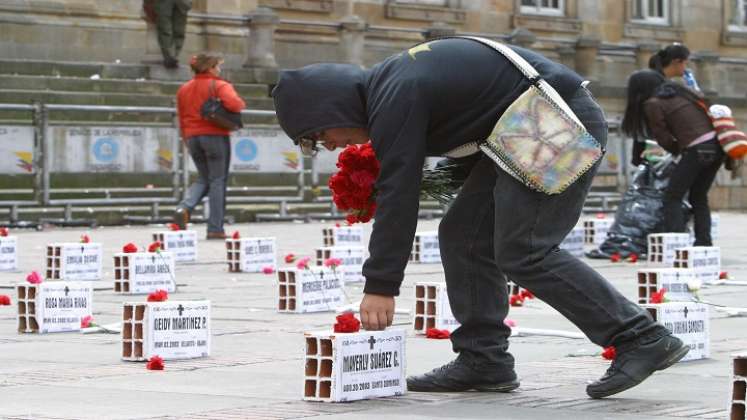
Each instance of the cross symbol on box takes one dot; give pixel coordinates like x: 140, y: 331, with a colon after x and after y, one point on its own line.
x: 180, y: 308
x: 67, y: 290
x: 372, y: 341
x: 685, y: 311
x: 153, y: 259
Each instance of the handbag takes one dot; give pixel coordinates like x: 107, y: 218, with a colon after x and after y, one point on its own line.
x: 214, y: 111
x: 732, y: 140
x: 538, y: 140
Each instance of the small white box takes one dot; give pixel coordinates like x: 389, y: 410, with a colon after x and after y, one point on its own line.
x: 432, y: 308
x: 352, y: 258
x: 574, y: 242
x: 662, y: 246
x: 74, y: 261
x: 251, y: 255
x: 171, y: 330
x: 55, y: 306
x: 316, y: 289
x: 687, y: 321
x: 8, y: 253
x: 144, y: 272
x: 426, y: 249
x: 706, y: 260
x: 343, y: 236
x: 181, y: 243
x: 354, y: 366
x: 595, y: 230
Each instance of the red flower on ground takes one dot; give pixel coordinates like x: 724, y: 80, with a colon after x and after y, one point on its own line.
x: 332, y: 262
x: 609, y: 353
x: 268, y: 270
x: 174, y: 227
x: 633, y: 258
x: 516, y: 300
x: 509, y: 323
x: 34, y: 278
x: 290, y: 258
x: 159, y: 295
x: 129, y: 248
x: 236, y: 235
x: 723, y: 275
x: 86, y: 321
x: 154, y: 247
x: 4, y: 300
x: 615, y: 257
x: 155, y: 363
x: 437, y: 334
x: 658, y: 297
x: 347, y: 323
x: 303, y: 263
x: 526, y: 294
x: 85, y: 238
x: 337, y: 225
x: 4, y: 231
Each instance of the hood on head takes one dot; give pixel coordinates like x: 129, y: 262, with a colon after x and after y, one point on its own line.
x: 320, y: 96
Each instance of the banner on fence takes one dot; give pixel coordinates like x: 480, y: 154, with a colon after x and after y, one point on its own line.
x: 16, y: 147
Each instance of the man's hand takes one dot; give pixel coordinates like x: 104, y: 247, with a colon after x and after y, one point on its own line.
x: 377, y: 311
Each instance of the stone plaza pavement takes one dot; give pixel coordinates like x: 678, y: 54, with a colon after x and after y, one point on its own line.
x: 256, y: 367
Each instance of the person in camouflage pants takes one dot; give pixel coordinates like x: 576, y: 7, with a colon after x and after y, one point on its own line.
x: 171, y: 23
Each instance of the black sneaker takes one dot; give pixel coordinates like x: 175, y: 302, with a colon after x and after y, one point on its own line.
x: 633, y: 366
x: 181, y: 217
x: 457, y: 376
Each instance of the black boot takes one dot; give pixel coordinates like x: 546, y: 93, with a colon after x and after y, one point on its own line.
x: 633, y: 366
x: 457, y: 376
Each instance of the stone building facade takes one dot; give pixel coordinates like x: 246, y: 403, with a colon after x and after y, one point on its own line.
x: 604, y: 40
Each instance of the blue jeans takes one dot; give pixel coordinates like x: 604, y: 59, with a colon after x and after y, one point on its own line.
x: 212, y: 157
x: 498, y: 228
x: 693, y: 176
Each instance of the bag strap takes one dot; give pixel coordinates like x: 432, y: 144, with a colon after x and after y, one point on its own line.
x: 530, y: 73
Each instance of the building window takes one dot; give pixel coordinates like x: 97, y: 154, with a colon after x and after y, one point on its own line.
x: 651, y: 11
x: 543, y: 7
x: 738, y: 19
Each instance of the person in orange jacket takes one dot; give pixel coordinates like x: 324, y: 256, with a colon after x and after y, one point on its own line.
x: 208, y: 144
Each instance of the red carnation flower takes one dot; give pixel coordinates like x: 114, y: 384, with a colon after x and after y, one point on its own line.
x: 174, y: 227
x: 526, y: 294
x: 4, y: 300
x: 609, y: 353
x: 4, y: 231
x: 658, y: 297
x: 268, y: 270
x: 633, y: 258
x: 615, y: 257
x: 86, y: 321
x: 155, y: 363
x: 154, y: 247
x: 85, y: 239
x: 347, y: 323
x: 437, y: 334
x: 290, y: 258
x: 236, y: 235
x: 159, y: 295
x: 723, y: 275
x: 129, y: 248
x: 34, y: 278
x: 332, y: 262
x: 353, y: 185
x: 516, y: 300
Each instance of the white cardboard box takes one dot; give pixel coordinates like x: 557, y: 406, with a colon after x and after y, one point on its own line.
x: 8, y: 253
x: 56, y: 306
x: 251, y: 255
x: 687, y: 321
x: 144, y: 272
x: 181, y: 243
x: 343, y: 236
x: 595, y: 230
x: 662, y: 247
x: 426, y: 249
x: 354, y: 366
x: 74, y: 261
x: 352, y: 258
x: 171, y: 330
x: 574, y: 242
x: 316, y: 289
x: 432, y: 308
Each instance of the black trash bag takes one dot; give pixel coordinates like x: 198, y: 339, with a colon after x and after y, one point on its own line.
x: 639, y: 212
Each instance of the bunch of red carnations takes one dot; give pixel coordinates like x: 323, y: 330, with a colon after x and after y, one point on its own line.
x: 352, y: 186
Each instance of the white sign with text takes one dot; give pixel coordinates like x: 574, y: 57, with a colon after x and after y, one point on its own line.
x: 81, y: 261
x: 178, y: 330
x: 8, y: 253
x: 62, y: 304
x: 181, y: 243
x: 257, y: 253
x: 151, y: 271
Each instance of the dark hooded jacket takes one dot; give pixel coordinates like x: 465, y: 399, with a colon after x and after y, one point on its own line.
x: 422, y: 102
